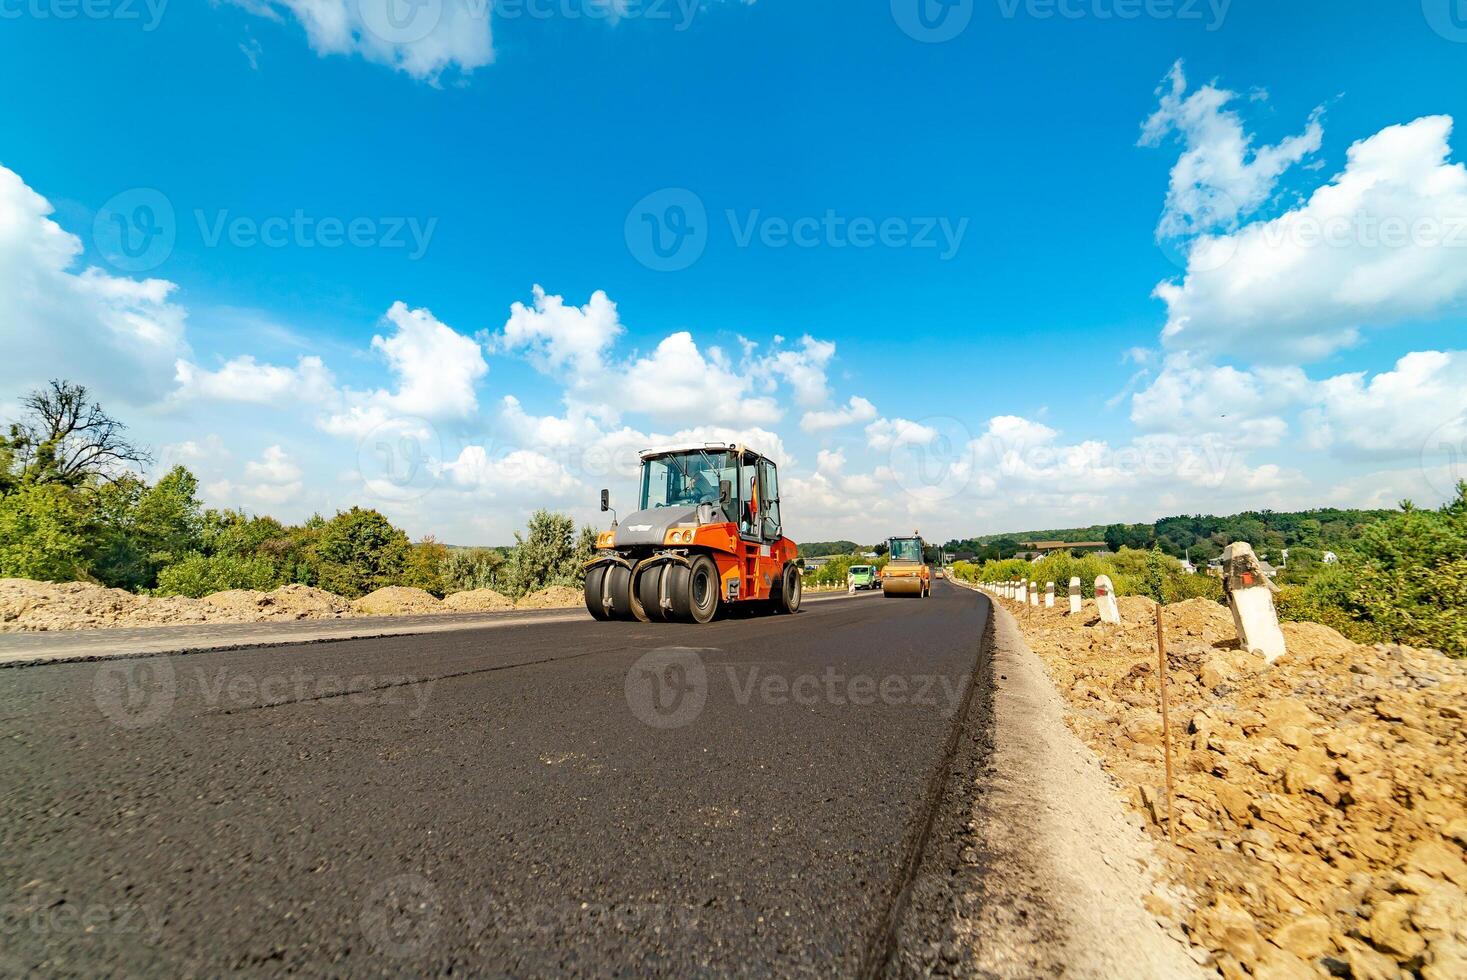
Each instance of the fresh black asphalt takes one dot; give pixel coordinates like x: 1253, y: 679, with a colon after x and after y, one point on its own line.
x: 558, y: 798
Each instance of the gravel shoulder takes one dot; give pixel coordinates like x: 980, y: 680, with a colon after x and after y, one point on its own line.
x: 1034, y: 868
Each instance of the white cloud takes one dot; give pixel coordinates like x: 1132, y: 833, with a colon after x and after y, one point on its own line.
x: 1220, y: 176
x: 1408, y: 412
x: 243, y: 379
x: 435, y: 369
x: 275, y: 466
x: 422, y: 39
x: 1381, y: 242
x: 804, y: 369
x: 1243, y: 407
x: 886, y: 434
x: 856, y: 410
x: 121, y: 336
x: 561, y: 339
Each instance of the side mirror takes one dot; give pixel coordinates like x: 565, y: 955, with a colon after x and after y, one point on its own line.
x: 725, y: 491
x: 605, y: 501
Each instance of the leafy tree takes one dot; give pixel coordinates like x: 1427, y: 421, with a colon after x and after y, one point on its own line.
x: 425, y: 566
x: 359, y: 551
x: 547, y: 554
x: 466, y: 569
x: 43, y: 534
x: 198, y: 575
x: 63, y: 438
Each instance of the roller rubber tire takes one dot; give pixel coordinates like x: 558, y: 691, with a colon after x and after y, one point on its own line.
x: 694, y: 590
x: 649, y: 592
x: 594, y: 581
x: 619, y: 588
x: 788, y: 592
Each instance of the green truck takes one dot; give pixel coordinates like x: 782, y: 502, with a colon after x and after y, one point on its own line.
x: 862, y: 577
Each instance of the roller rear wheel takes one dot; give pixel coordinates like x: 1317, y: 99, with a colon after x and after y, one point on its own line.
x: 788, y: 591
x: 649, y: 592
x: 693, y: 590
x: 619, y: 589
x: 595, y: 582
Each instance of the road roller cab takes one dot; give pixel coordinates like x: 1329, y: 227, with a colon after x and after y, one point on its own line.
x: 906, y: 572
x: 707, y: 534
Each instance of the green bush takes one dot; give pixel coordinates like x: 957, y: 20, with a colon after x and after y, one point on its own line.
x: 43, y: 534
x: 199, y: 575
x: 360, y: 551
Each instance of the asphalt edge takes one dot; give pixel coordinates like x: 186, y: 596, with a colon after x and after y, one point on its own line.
x: 1086, y: 859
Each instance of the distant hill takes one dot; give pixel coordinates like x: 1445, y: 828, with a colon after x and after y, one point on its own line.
x: 1325, y: 529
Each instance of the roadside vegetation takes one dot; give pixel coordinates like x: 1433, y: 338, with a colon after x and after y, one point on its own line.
x: 1402, y: 579
x: 72, y: 508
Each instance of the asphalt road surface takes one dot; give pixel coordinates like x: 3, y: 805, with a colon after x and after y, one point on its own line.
x: 555, y: 798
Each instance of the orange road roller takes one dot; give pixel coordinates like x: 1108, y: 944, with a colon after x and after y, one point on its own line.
x: 707, y: 535
x: 906, y: 573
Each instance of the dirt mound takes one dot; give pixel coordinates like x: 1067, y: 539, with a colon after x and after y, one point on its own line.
x: 555, y: 597
x: 478, y: 600
x: 287, y: 602
x: 396, y: 600
x: 1136, y: 609
x: 44, y: 606
x: 1319, y: 803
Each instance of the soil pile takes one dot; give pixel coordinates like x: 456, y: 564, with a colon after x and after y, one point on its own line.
x: 478, y: 600
x: 289, y: 602
x: 44, y: 606
x: 555, y: 597
x: 396, y: 600
x: 1320, y: 804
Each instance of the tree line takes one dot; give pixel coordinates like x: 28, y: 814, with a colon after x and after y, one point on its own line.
x: 74, y: 506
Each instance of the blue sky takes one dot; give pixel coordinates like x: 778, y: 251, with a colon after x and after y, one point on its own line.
x: 976, y: 263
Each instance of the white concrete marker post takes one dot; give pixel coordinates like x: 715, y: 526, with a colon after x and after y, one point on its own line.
x: 1075, y: 597
x: 1048, y: 595
x: 1034, y: 593
x: 1105, y: 600
x: 1250, y: 596
x: 1019, y: 593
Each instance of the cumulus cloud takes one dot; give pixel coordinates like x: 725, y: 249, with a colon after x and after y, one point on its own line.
x: 1383, y: 241
x: 243, y: 379
x: 1221, y: 175
x: 856, y: 410
x: 122, y: 335
x: 274, y: 479
x: 885, y: 434
x: 422, y: 39
x: 561, y: 339
x: 804, y: 369
x: 436, y: 370
x: 1192, y: 397
x: 1407, y: 412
